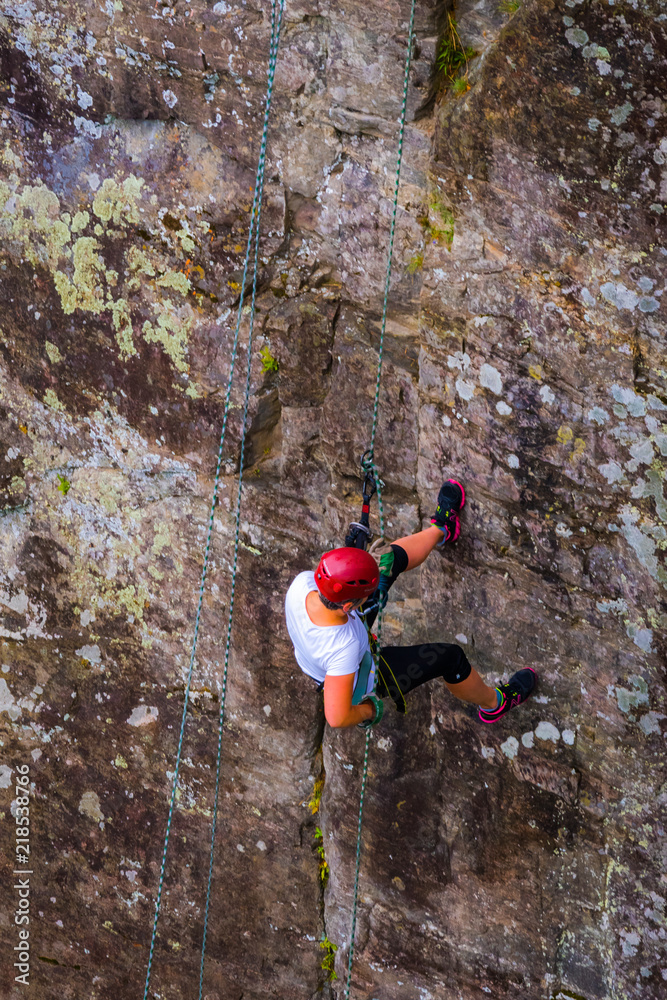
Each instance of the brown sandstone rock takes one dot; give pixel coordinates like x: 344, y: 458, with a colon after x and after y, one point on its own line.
x: 525, y: 352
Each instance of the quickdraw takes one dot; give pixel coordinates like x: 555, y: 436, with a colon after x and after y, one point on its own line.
x: 359, y: 533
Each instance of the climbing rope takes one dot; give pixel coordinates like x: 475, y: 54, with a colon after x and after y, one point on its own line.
x: 369, y: 464
x: 273, y: 55
x: 277, y: 8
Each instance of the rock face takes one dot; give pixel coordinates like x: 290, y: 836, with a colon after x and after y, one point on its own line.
x: 525, y: 352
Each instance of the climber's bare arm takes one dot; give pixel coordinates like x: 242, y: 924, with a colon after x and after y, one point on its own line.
x: 418, y: 546
x: 338, y: 707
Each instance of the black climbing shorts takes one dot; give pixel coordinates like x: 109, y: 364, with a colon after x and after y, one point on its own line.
x: 403, y: 668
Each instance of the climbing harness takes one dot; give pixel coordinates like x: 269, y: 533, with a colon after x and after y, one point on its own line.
x: 277, y: 8
x: 369, y: 466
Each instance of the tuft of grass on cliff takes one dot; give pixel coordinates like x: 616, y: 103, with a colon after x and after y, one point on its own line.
x: 453, y: 57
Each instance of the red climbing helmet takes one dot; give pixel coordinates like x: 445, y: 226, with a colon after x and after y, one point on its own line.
x: 346, y: 574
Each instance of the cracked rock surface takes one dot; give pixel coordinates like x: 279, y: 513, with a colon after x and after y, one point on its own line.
x: 524, y: 354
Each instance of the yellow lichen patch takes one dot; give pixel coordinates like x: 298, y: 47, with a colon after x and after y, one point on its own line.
x: 35, y: 223
x: 53, y: 353
x: 579, y: 449
x: 171, y: 331
x: 535, y: 371
x: 42, y: 202
x: 161, y: 538
x: 176, y: 280
x: 9, y: 157
x: 133, y: 599
x: 193, y: 391
x: 66, y: 291
x: 139, y: 262
x: 117, y: 203
x: 120, y: 762
x: 565, y: 434
x: 109, y: 496
x: 34, y: 227
x: 122, y: 322
x: 84, y: 291
x: 52, y: 400
x: 80, y: 221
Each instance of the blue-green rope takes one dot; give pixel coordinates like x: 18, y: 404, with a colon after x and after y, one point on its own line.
x: 370, y: 464
x: 275, y: 40
x: 253, y: 232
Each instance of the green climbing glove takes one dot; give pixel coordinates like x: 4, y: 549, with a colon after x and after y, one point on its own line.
x: 383, y: 554
x: 378, y: 708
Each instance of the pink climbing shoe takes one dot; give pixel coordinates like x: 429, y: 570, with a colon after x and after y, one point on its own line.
x: 451, y: 501
x: 511, y: 694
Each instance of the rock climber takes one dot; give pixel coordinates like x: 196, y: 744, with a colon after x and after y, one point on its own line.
x: 330, y: 613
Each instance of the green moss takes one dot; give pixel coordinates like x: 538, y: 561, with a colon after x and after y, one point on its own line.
x: 416, y: 263
x: 460, y: 85
x: 269, y: 363
x: 509, y: 7
x: 318, y: 788
x: 439, y: 223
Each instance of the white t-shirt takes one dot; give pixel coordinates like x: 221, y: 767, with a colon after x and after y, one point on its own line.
x: 324, y: 649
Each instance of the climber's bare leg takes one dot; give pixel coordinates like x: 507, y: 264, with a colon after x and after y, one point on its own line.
x: 418, y: 546
x: 475, y: 691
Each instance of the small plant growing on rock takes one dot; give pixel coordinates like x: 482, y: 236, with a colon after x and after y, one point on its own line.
x: 330, y: 950
x: 63, y: 485
x: 509, y: 7
x: 269, y: 363
x: 319, y: 849
x: 453, y: 55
